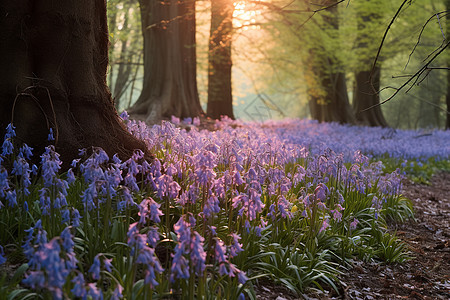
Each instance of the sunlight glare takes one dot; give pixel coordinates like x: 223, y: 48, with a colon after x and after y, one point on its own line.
x: 245, y: 15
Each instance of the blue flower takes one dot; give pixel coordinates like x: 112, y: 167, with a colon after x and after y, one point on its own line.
x: 2, y: 258
x: 50, y: 135
x: 7, y: 147
x: 79, y: 289
x: 94, y: 270
x: 94, y: 292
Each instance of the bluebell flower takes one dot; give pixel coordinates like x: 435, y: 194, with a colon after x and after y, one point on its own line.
x: 4, y: 182
x: 145, y: 255
x: 94, y: 270
x: 107, y: 264
x: 12, y: 198
x: 26, y: 151
x: 94, y: 292
x: 79, y: 289
x: 7, y: 147
x: 117, y: 294
x: 221, y: 257
x: 70, y: 176
x: 50, y: 135
x: 235, y: 247
x: 2, y: 258
x: 67, y: 240
x: 149, y: 209
x: 124, y: 115
x: 10, y: 131
x: 197, y: 253
x: 76, y: 218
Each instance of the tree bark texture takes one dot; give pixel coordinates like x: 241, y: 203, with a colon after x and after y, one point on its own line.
x: 170, y: 75
x: 367, y: 85
x: 53, y: 62
x: 220, y: 98
x: 326, y: 82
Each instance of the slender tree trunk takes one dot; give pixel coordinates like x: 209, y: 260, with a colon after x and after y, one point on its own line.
x: 220, y: 99
x: 170, y: 75
x: 326, y: 83
x: 366, y: 91
x: 53, y: 62
x: 447, y: 121
x: 123, y: 74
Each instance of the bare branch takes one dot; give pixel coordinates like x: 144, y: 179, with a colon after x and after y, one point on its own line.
x: 413, y: 79
x: 445, y: 13
x: 382, y: 43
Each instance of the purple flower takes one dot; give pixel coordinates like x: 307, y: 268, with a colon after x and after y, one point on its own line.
x: 198, y: 255
x: 26, y: 151
x: 2, y: 258
x: 321, y: 192
x: 79, y: 289
x: 148, y: 208
x: 145, y: 255
x: 50, y: 135
x: 325, y: 225
x: 10, y: 131
x: 7, y: 147
x: 235, y: 247
x: 94, y: 270
x: 67, y: 241
x: 94, y: 292
x: 76, y: 218
x: 221, y: 257
x: 354, y: 224
x: 117, y: 294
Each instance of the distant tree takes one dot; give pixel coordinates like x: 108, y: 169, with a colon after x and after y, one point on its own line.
x: 53, y: 62
x: 220, y: 99
x: 367, y: 81
x: 125, y: 51
x: 170, y: 76
x: 324, y: 72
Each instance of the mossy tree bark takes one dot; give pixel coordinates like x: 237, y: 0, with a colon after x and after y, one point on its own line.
x: 170, y: 75
x: 220, y: 98
x: 53, y: 62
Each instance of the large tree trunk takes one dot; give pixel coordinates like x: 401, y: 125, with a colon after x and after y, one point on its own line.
x: 220, y: 99
x: 326, y: 83
x: 53, y: 62
x: 367, y: 85
x: 170, y: 75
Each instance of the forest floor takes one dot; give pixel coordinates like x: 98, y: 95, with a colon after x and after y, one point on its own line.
x: 425, y: 276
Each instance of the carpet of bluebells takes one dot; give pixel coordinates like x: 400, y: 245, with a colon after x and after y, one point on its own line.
x: 216, y: 213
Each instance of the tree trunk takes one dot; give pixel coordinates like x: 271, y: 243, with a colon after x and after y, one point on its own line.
x: 447, y: 21
x: 123, y: 74
x: 170, y: 75
x: 366, y: 91
x: 53, y: 62
x: 220, y: 99
x: 326, y: 83
x: 366, y: 96
x: 447, y: 122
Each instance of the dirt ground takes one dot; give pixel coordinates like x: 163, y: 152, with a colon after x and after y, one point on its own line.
x: 426, y: 276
